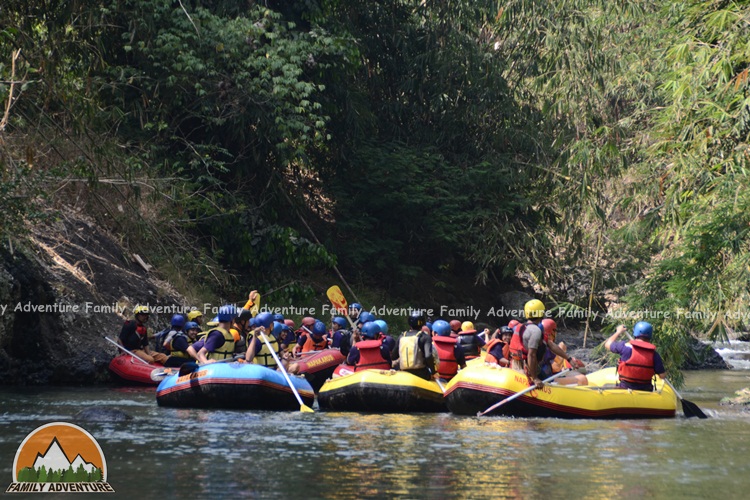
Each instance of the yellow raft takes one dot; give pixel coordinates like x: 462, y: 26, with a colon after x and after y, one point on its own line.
x: 480, y: 386
x: 381, y: 391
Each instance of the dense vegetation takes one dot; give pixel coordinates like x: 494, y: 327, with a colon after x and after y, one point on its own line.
x: 589, y: 145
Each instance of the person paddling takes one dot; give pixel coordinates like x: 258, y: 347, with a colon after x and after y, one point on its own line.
x: 470, y: 341
x: 639, y: 361
x: 498, y: 348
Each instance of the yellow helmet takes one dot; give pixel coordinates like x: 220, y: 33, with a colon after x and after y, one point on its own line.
x: 139, y: 309
x: 194, y: 314
x: 468, y: 327
x: 534, y: 309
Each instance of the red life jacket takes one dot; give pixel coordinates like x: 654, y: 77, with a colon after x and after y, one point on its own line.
x: 490, y: 358
x: 446, y: 354
x: 639, y: 369
x: 311, y: 345
x: 518, y: 351
x: 370, y: 357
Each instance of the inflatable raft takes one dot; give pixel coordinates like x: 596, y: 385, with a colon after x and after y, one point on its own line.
x: 318, y: 366
x: 233, y: 385
x: 381, y: 391
x: 133, y: 370
x: 478, y: 387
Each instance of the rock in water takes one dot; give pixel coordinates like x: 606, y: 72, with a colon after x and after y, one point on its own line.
x: 743, y: 398
x: 102, y: 415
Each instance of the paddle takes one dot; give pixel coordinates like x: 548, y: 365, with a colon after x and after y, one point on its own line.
x: 438, y: 382
x: 338, y: 301
x: 689, y: 408
x: 302, y: 406
x: 121, y: 347
x: 519, y: 394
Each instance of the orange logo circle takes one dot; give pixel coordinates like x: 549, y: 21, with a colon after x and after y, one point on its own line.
x: 59, y: 452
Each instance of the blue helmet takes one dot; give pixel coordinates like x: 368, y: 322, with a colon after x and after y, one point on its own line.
x: 428, y: 325
x: 383, y: 326
x: 370, y: 330
x: 643, y: 329
x: 264, y: 319
x: 442, y: 328
x: 340, y: 321
x: 365, y: 317
x: 178, y: 321
x: 278, y: 317
x: 192, y: 325
x: 277, y: 327
x: 319, y: 328
x: 226, y: 313
x: 356, y: 305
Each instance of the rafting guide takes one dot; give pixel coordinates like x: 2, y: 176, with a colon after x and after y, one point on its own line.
x: 59, y: 458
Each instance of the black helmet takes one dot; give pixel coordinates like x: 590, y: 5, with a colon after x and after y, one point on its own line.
x: 244, y: 315
x: 416, y: 320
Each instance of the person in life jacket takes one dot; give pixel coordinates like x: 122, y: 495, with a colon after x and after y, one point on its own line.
x: 529, y: 344
x: 450, y: 354
x: 305, y: 327
x: 164, y: 338
x: 388, y: 341
x: 316, y: 340
x: 470, y: 341
x: 240, y: 329
x: 549, y: 332
x: 287, y: 338
x: 455, y: 328
x: 369, y: 353
x: 218, y: 344
x: 413, y: 352
x: 639, y: 361
x: 338, y: 332
x: 257, y: 350
x: 134, y: 336
x: 498, y: 348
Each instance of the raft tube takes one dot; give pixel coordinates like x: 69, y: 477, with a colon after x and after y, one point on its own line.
x: 131, y: 370
x: 233, y: 385
x: 381, y: 391
x: 478, y: 387
x: 318, y: 366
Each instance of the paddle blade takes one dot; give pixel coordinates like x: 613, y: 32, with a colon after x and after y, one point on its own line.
x: 159, y: 374
x: 306, y: 409
x: 256, y: 306
x: 691, y: 409
x: 337, y: 299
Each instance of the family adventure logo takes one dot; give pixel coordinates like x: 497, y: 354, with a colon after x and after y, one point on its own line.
x: 59, y: 458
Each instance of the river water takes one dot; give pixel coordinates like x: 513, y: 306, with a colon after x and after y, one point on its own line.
x: 171, y: 453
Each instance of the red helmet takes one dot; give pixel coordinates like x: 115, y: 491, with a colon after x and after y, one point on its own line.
x: 289, y: 323
x: 308, y: 321
x: 455, y: 325
x: 549, y: 327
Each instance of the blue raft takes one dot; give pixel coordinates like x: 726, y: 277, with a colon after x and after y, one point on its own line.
x: 233, y: 385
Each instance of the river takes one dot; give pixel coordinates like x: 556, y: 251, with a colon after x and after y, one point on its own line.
x: 171, y: 453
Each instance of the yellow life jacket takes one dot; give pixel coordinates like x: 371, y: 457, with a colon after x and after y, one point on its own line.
x: 410, y: 356
x: 264, y: 356
x: 179, y: 354
x: 227, y: 348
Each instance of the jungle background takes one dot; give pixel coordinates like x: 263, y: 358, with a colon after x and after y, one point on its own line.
x: 593, y: 154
